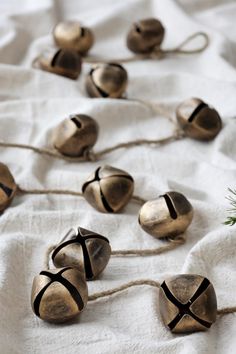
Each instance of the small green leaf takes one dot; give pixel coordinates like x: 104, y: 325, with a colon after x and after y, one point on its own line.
x: 231, y: 220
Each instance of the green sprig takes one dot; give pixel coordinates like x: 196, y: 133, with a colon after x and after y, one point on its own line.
x: 231, y: 219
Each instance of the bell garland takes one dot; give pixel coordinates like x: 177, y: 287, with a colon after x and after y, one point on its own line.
x: 187, y: 302
x: 73, y: 139
x: 144, y: 39
x: 109, y: 190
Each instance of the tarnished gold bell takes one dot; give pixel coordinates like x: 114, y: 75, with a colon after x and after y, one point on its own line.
x: 187, y: 303
x: 85, y: 250
x: 63, y: 62
x: 167, y: 216
x: 71, y: 35
x: 75, y: 135
x: 58, y: 295
x: 108, y: 189
x: 107, y: 80
x: 8, y: 187
x: 145, y: 35
x: 198, y: 120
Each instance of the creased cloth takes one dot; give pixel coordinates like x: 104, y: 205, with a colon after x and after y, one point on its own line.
x: 34, y: 102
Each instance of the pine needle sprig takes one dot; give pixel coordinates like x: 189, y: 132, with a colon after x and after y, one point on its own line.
x: 231, y: 219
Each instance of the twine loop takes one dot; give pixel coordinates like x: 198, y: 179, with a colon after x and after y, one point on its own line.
x: 159, y: 53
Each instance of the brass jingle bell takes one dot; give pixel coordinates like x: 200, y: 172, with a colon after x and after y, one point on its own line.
x: 85, y: 250
x: 198, y: 120
x: 145, y: 35
x: 108, y: 189
x: 187, y: 303
x: 58, y: 295
x: 107, y: 80
x: 75, y: 135
x: 71, y: 35
x: 8, y: 187
x: 63, y: 62
x: 167, y: 216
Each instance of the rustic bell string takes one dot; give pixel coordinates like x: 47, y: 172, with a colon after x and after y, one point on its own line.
x: 153, y: 283
x: 194, y: 118
x: 158, y: 52
x: 95, y: 156
x: 192, y: 296
x: 74, y: 137
x: 77, y: 146
x: 144, y: 39
x: 74, y: 41
x: 108, y: 190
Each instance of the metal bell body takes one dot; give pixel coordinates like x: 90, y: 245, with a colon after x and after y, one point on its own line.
x: 167, y: 216
x: 187, y: 303
x: 85, y: 250
x: 63, y: 62
x: 198, y: 120
x: 8, y: 187
x: 75, y: 135
x: 108, y: 189
x: 58, y: 295
x: 145, y: 35
x: 71, y: 35
x: 107, y: 80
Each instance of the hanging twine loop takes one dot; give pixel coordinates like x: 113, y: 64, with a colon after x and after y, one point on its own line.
x: 158, y: 53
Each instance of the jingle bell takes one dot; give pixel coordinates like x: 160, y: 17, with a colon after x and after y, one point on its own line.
x: 76, y: 135
x: 8, y: 187
x: 108, y: 189
x: 71, y: 35
x: 167, y: 216
x: 58, y: 295
x: 187, y: 303
x: 107, y: 80
x: 198, y: 120
x: 145, y: 35
x: 63, y: 62
x: 85, y: 250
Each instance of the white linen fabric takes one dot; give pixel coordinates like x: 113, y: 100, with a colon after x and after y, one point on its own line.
x: 33, y: 102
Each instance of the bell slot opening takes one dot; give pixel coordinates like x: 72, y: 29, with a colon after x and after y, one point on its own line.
x: 6, y: 190
x: 77, y: 122
x: 137, y: 28
x: 54, y: 60
x: 170, y: 206
x: 82, y: 31
x: 196, y: 111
